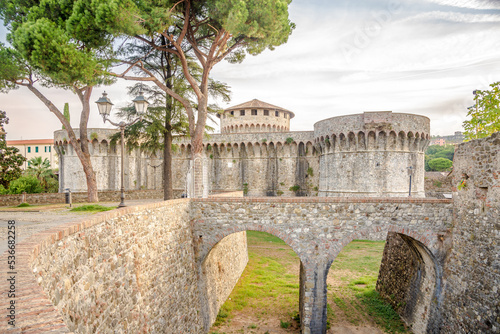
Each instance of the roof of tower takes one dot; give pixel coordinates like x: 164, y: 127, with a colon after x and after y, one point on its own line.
x: 260, y: 105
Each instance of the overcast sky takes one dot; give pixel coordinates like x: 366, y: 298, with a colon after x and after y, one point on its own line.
x: 345, y: 57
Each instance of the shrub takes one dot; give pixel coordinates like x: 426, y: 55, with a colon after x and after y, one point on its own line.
x: 289, y: 140
x: 440, y: 164
x: 295, y: 188
x: 27, y: 183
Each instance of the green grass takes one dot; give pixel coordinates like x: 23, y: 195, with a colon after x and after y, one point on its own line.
x: 284, y: 324
x: 255, y: 237
x: 266, y: 287
x: 23, y: 205
x: 92, y: 208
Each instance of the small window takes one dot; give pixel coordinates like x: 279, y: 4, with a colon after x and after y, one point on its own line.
x: 45, y: 149
x: 50, y: 148
x: 277, y: 113
x: 266, y: 112
x: 254, y: 112
x: 284, y: 114
x: 29, y: 149
x: 242, y: 112
x: 36, y: 149
x: 232, y: 113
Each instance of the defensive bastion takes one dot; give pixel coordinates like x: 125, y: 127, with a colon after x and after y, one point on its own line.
x: 361, y: 155
x: 144, y: 269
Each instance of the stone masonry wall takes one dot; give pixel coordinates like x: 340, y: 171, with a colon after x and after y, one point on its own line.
x: 136, y: 273
x: 221, y: 274
x: 82, y: 197
x: 472, y: 270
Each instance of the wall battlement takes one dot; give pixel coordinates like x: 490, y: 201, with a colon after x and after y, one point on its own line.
x: 356, y: 155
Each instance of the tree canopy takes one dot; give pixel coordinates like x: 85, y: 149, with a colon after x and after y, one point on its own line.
x: 63, y: 44
x: 485, y: 114
x: 435, y: 152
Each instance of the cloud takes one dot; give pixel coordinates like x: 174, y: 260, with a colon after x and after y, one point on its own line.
x: 472, y: 4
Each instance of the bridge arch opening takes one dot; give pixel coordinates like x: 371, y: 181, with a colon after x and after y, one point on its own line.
x: 399, y: 270
x: 267, y: 293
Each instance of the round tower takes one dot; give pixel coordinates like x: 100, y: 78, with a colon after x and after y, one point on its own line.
x: 372, y: 154
x: 255, y: 116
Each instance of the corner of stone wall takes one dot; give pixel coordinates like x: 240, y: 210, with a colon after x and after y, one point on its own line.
x: 472, y: 269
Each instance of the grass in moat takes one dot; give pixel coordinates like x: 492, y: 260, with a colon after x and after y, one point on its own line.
x: 269, y: 288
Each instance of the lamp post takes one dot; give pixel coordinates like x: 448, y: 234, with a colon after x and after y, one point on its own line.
x: 410, y: 172
x: 104, y: 105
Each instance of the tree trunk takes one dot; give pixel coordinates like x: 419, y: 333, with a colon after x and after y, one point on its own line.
x: 168, y: 192
x: 81, y: 148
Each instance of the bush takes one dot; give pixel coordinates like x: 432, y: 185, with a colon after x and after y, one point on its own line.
x: 27, y: 183
x: 3, y: 191
x: 440, y: 164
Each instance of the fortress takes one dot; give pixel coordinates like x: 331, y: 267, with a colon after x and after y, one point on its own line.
x: 362, y: 155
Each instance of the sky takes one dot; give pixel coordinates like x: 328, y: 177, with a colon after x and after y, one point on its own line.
x: 345, y: 57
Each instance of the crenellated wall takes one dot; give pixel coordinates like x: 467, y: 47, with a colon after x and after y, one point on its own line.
x: 357, y: 155
x: 269, y: 163
x: 369, y: 154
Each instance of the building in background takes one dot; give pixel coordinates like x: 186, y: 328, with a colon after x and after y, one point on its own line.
x: 32, y: 148
x: 456, y: 138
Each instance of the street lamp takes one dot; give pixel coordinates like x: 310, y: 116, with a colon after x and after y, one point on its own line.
x: 104, y: 105
x: 410, y: 172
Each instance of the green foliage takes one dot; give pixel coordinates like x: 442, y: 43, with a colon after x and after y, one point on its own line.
x: 10, y: 160
x: 23, y: 205
x: 438, y: 184
x: 61, y: 41
x: 92, y: 208
x: 310, y: 171
x: 42, y: 171
x: 440, y: 164
x: 485, y: 114
x: 289, y: 140
x: 66, y: 114
x: 436, y: 151
x: 284, y: 324
x: 94, y: 136
x: 294, y: 188
x: 26, y: 183
x: 245, y: 189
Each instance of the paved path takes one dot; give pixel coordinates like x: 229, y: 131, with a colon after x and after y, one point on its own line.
x: 45, y: 217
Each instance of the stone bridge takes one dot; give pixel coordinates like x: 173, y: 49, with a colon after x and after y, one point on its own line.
x: 152, y: 268
x: 318, y: 228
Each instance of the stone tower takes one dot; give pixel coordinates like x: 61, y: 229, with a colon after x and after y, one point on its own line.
x: 372, y: 154
x: 255, y: 116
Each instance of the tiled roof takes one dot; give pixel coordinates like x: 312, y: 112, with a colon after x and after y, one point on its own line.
x: 260, y: 105
x: 30, y: 142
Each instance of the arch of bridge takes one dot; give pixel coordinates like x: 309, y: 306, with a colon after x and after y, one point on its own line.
x: 318, y: 229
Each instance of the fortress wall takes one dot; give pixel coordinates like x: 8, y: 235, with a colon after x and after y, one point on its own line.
x: 468, y: 296
x: 369, y: 154
x: 472, y: 289
x: 133, y: 270
x: 270, y: 163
